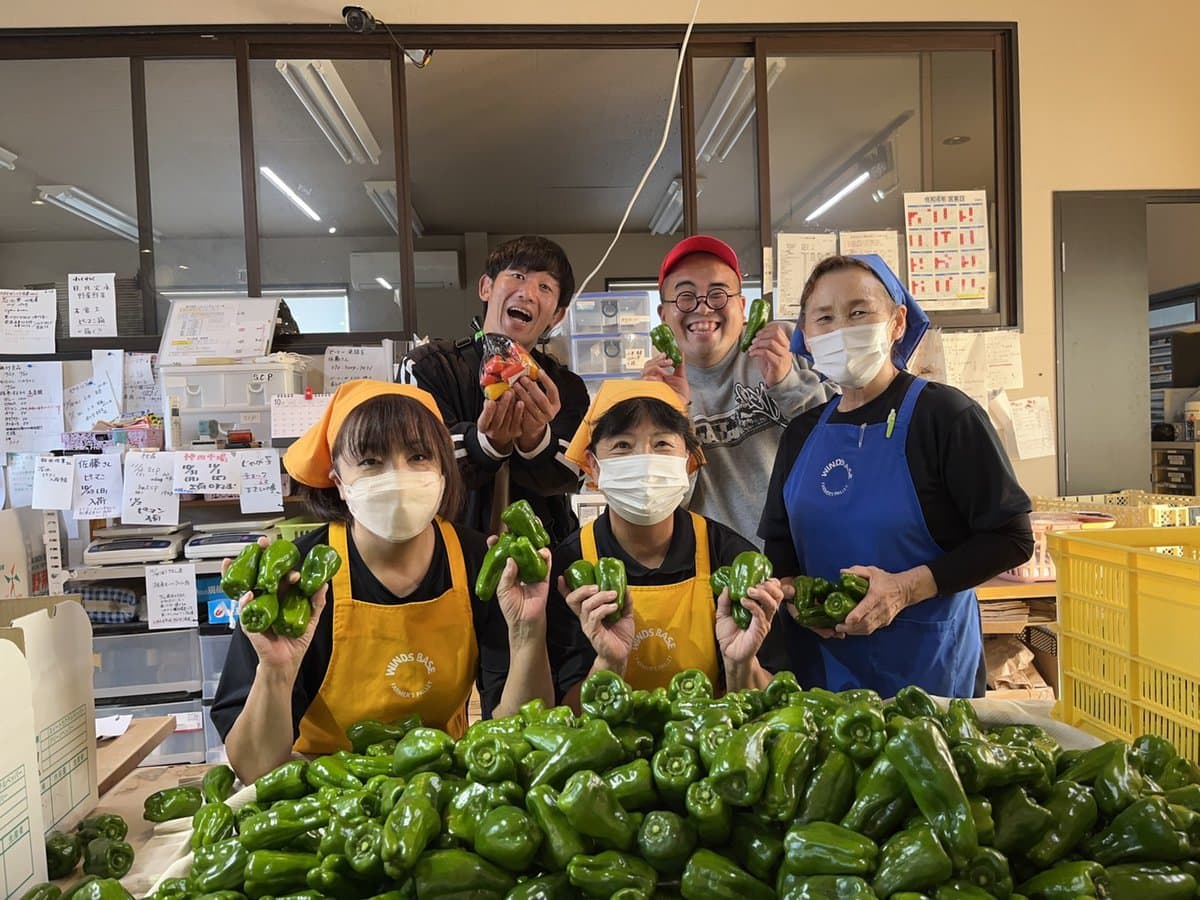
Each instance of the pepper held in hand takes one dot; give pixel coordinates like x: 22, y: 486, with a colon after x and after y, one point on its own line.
x: 242, y: 573
x: 750, y: 569
x: 610, y: 576
x: 522, y: 521
x: 321, y: 564
x: 756, y: 319
x: 277, y: 560
x: 663, y: 339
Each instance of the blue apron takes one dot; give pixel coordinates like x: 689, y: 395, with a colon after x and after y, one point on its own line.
x: 851, y: 501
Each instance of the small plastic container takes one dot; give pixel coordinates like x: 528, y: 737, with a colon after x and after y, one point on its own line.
x: 154, y: 662
x: 213, y: 650
x: 186, y: 745
x: 623, y: 354
x: 603, y: 313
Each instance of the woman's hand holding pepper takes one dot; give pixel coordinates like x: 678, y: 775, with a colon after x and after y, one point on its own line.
x: 612, y: 643
x: 523, y: 605
x: 890, y: 594
x: 738, y: 646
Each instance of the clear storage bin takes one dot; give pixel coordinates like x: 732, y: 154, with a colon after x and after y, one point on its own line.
x: 214, y: 747
x: 186, y: 745
x: 618, y: 355
x: 213, y: 650
x: 603, y: 313
x: 155, y: 662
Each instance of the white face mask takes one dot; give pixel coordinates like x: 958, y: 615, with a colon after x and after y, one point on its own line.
x: 851, y: 356
x: 396, y: 506
x: 643, y: 489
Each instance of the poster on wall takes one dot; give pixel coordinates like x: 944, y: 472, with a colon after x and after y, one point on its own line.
x: 948, y: 253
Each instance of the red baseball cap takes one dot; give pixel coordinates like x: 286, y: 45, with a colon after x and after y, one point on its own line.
x: 698, y: 243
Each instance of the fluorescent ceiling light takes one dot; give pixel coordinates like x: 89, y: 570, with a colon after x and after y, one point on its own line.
x: 668, y: 216
x: 319, y: 87
x: 732, y: 109
x: 93, y: 209
x: 8, y: 159
x: 859, y: 180
x: 296, y: 200
x: 268, y: 293
x: 383, y: 195
x: 383, y: 282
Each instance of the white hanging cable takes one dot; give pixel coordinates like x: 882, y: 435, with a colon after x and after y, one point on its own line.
x: 687, y: 35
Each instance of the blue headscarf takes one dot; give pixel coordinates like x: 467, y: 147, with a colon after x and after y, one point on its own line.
x: 917, y: 322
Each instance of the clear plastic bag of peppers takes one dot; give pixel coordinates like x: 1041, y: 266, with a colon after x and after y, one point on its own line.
x: 504, y: 361
x: 674, y: 792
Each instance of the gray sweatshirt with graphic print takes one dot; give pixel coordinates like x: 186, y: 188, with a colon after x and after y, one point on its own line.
x: 739, y: 421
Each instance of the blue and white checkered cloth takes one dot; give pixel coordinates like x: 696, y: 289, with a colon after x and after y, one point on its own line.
x: 108, y: 605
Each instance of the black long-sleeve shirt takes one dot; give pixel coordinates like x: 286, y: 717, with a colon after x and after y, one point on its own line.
x: 450, y: 371
x: 973, y: 506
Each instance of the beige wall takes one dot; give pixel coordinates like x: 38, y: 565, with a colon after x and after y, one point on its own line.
x: 1109, y: 93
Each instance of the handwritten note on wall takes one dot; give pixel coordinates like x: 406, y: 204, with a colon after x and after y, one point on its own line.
x: 53, y: 481
x: 148, y: 495
x: 97, y: 486
x: 27, y: 320
x: 89, y: 402
x: 206, y: 472
x: 261, y: 491
x: 171, y: 596
x: 20, y: 472
x: 142, y: 392
x: 344, y: 364
x: 33, y: 406
x: 92, y: 305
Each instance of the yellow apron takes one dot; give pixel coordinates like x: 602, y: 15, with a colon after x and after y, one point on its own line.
x: 392, y: 660
x: 673, y: 624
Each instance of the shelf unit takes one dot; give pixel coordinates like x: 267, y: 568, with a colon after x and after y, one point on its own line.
x: 1173, y: 467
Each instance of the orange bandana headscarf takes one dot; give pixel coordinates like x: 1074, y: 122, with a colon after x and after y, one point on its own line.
x: 310, y: 459
x: 612, y: 392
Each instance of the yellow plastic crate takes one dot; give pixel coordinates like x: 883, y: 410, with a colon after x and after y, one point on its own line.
x: 1131, y: 509
x: 292, y: 528
x: 1129, y: 617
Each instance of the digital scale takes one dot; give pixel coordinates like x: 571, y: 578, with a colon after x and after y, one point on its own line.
x: 121, y: 544
x: 219, y: 540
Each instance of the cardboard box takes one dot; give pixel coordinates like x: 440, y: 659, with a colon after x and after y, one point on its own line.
x: 22, y: 553
x: 22, y: 859
x: 56, y: 638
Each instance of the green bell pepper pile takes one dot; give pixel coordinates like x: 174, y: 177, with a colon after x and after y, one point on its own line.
x: 277, y: 605
x: 98, y: 841
x: 782, y: 792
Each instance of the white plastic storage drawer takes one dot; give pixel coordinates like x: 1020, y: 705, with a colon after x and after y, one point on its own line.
x: 213, y: 650
x: 237, y: 396
x: 154, y: 662
x: 610, y: 313
x: 214, y: 747
x: 618, y: 355
x: 186, y: 745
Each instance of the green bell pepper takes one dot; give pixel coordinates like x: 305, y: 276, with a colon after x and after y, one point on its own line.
x: 719, y: 580
x: 859, y: 730
x: 531, y: 566
x: 782, y: 685
x: 881, y: 801
x: 285, y: 782
x: 988, y: 870
x: 921, y: 755
x: 1179, y: 772
x: 591, y: 746
x: 295, y: 612
x: 605, y: 695
x: 961, y: 722
x: 1149, y: 881
x: 524, y: 522
x: 666, y: 840
x: 363, y: 849
x: 407, y: 831
x: 1066, y: 881
x: 822, y: 848
x: 674, y: 768
x: 467, y: 807
x: 1073, y: 814
x: 579, y: 574
x: 1148, y: 830
x: 492, y: 567
x: 960, y: 890
x: 260, y: 613
x: 637, y: 743
x: 592, y: 809
x: 367, y: 732
x: 560, y: 841
x: 757, y: 845
x: 279, y: 558
x: 276, y: 828
x: 632, y: 784
x: 334, y: 877
x: 545, y: 887
x: 63, y: 852
x: 99, y: 889
x: 911, y: 860
x: 610, y: 576
x: 276, y: 872
x: 984, y: 766
x: 790, y: 886
x: 1151, y: 754
x: 913, y: 702
x: 1188, y: 796
x: 423, y: 749
x: 830, y: 790
x: 242, y: 573
x: 690, y: 684
x: 109, y: 825
x: 43, y: 891
x: 740, y: 771
x: 749, y: 569
x: 1118, y: 783
x: 757, y: 317
x: 1083, y: 767
x: 216, y: 786
x: 710, y: 741
x: 663, y: 339
x: 985, y: 825
x: 710, y: 876
x: 854, y: 586
x: 708, y: 812
x: 838, y: 605
x: 319, y: 567
x: 489, y: 760
x: 528, y: 766
x: 212, y: 823
x: 218, y: 867
x: 604, y: 874
x: 459, y: 873
x: 330, y: 771
x: 508, y: 837
x: 790, y: 756
x: 172, y: 803
x: 1020, y: 821
x: 107, y: 858
x: 365, y: 766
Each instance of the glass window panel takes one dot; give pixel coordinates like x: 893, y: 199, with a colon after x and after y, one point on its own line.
x: 68, y: 202
x: 191, y: 115
x: 327, y: 183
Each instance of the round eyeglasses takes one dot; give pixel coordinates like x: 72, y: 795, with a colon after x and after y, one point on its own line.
x: 689, y: 301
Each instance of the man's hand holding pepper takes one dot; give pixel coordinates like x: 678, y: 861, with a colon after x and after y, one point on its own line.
x: 540, y: 403
x: 500, y: 422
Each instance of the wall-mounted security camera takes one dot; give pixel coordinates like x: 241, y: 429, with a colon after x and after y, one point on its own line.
x: 359, y: 20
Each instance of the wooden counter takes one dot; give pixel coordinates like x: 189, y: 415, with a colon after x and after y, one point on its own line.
x: 1003, y: 589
